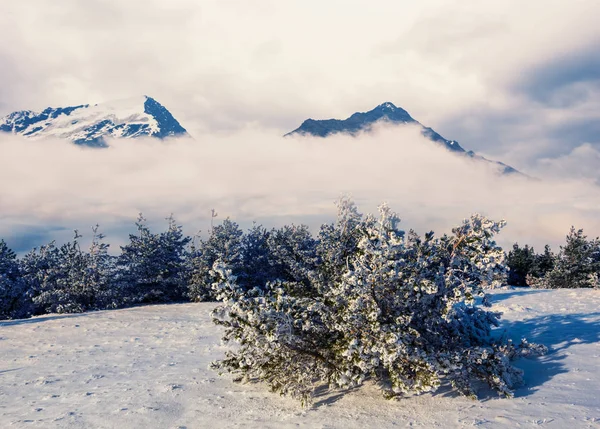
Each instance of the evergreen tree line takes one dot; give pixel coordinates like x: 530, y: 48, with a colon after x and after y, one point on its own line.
x: 576, y: 265
x: 170, y: 267
x: 152, y: 268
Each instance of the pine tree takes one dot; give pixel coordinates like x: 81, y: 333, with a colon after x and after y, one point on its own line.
x: 224, y: 244
x: 99, y: 274
x: 255, y: 268
x: 293, y: 256
x: 577, y: 264
x: 12, y: 288
x: 543, y: 263
x: 152, y: 266
x: 520, y: 262
x: 41, y: 274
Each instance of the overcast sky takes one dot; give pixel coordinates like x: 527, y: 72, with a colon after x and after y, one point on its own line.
x: 514, y: 80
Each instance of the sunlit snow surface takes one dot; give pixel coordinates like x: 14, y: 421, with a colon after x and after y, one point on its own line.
x: 147, y: 367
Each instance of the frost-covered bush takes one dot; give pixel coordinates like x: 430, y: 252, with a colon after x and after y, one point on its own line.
x: 339, y: 242
x: 394, y: 308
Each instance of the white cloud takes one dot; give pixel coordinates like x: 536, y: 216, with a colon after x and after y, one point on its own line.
x: 253, y: 175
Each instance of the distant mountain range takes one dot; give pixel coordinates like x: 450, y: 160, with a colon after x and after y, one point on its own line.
x: 386, y: 112
x: 90, y: 125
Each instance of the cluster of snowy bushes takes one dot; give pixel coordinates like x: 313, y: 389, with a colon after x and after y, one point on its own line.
x: 371, y: 302
x: 576, y: 265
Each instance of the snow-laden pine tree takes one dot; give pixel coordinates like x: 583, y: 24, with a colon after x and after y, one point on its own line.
x: 520, y: 262
x: 390, y: 307
x: 152, y: 266
x: 13, y: 302
x: 100, y: 274
x: 255, y: 268
x: 224, y: 243
x: 41, y: 275
x: 577, y: 264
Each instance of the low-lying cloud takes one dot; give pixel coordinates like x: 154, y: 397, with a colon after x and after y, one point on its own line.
x: 255, y: 175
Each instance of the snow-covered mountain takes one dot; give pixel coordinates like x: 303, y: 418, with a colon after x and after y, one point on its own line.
x: 388, y: 112
x: 90, y: 124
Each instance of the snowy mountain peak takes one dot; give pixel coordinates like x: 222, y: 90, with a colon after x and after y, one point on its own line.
x: 388, y: 112
x: 387, y: 106
x: 89, y: 125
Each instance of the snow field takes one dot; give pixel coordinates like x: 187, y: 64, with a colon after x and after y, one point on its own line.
x: 147, y: 367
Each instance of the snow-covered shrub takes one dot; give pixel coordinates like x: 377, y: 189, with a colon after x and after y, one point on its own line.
x: 13, y: 302
x: 338, y: 242
x: 577, y: 264
x: 152, y: 266
x: 383, y: 305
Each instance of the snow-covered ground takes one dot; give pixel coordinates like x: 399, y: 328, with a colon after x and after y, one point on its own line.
x: 147, y: 367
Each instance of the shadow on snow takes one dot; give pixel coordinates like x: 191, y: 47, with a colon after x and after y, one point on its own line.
x: 558, y: 333
x: 517, y: 292
x: 40, y: 319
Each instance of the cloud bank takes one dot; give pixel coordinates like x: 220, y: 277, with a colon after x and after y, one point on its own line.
x: 48, y: 188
